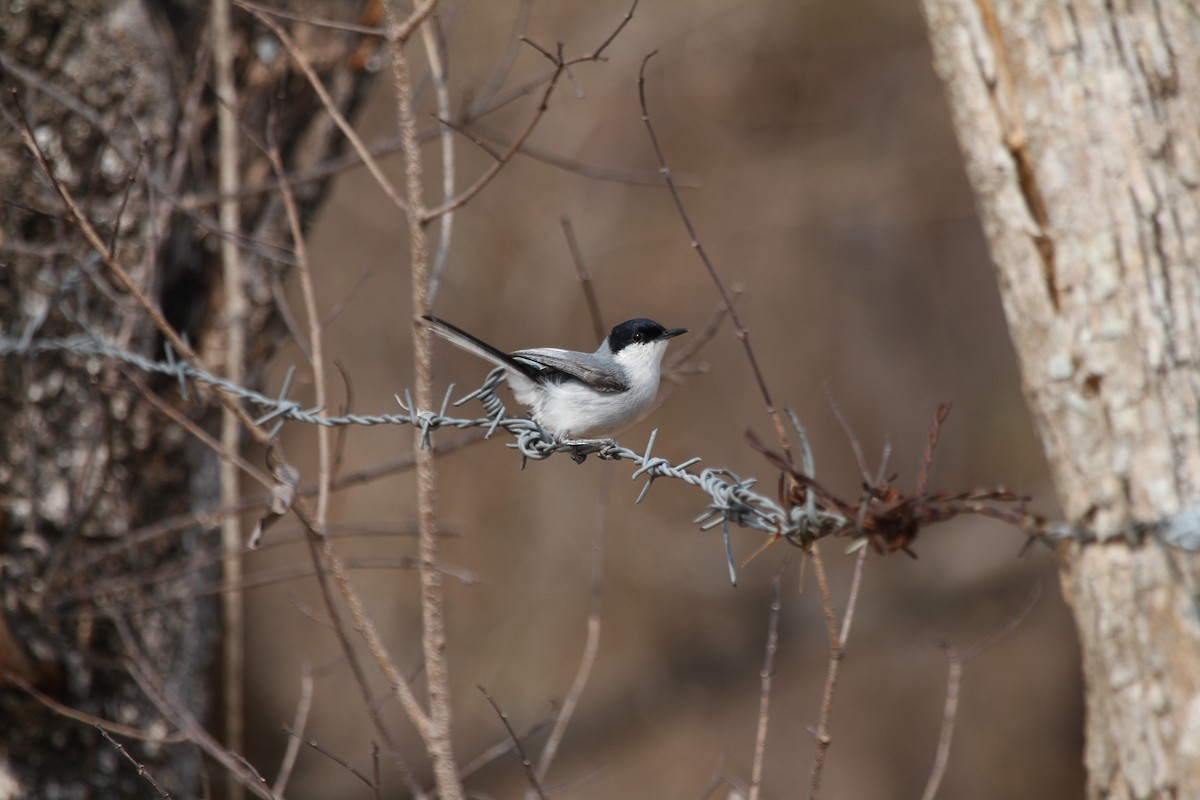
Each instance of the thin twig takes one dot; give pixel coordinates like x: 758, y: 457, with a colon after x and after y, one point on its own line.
x: 599, y: 172
x: 436, y: 724
x: 591, y: 645
x: 837, y: 645
x: 855, y: 445
x: 525, y: 762
x: 765, y: 678
x: 718, y: 778
x: 939, y: 417
x: 585, y: 280
x: 128, y: 731
x: 492, y: 171
x: 852, y: 600
x: 141, y: 769
x: 501, y: 747
x: 502, y: 70
x: 331, y: 108
x: 201, y: 435
x: 954, y: 664
x: 598, y: 53
x: 561, y: 65
x: 436, y: 55
x: 315, y: 343
x: 332, y: 24
x: 955, y: 660
x: 742, y: 332
x: 166, y: 191
x: 326, y: 563
x: 334, y: 757
x: 299, y: 721
x: 154, y: 688
x: 148, y: 306
x: 205, y: 516
x: 234, y: 312
x: 400, y: 31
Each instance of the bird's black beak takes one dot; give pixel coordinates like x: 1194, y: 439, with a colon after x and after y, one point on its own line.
x: 668, y: 334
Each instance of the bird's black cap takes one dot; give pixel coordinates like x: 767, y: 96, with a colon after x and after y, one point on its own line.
x: 639, y: 331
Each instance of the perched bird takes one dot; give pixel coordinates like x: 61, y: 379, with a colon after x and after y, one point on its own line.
x: 570, y: 393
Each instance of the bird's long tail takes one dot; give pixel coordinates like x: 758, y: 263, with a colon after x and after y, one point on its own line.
x: 465, y: 341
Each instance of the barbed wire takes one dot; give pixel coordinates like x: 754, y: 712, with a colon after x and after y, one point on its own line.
x: 732, y: 499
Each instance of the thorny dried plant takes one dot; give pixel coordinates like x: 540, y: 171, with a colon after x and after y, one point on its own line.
x: 887, y: 518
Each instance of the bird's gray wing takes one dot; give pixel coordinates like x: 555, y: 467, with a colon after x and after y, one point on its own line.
x: 583, y: 367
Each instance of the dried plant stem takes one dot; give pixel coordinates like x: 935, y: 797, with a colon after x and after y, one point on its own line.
x: 526, y: 764
x: 315, y: 344
x: 492, y: 171
x: 956, y: 660
x: 145, y: 773
x: 591, y: 645
x: 326, y: 561
x: 298, y: 737
x: 949, y: 717
x: 339, y: 119
x: 437, y: 70
x: 201, y: 435
x: 148, y: 306
x: 299, y: 721
x: 837, y: 646
x: 740, y: 330
x: 233, y: 641
x: 764, y: 697
x: 852, y: 600
x: 155, y: 688
x: 128, y: 731
x: 437, y: 732
x: 169, y: 525
x: 585, y: 279
x: 315, y: 347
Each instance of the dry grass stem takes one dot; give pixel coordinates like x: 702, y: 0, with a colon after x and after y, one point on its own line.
x: 299, y: 721
x: 765, y: 678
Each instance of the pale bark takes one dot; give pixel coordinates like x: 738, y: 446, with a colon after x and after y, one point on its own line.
x: 117, y: 95
x: 1079, y: 124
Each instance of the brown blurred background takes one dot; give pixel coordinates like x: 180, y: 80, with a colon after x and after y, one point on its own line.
x: 830, y: 189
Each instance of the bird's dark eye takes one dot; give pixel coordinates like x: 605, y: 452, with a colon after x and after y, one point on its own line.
x: 639, y: 336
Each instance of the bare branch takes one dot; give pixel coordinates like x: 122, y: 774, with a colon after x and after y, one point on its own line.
x: 585, y: 280
x: 339, y: 119
x: 949, y: 716
x: 435, y: 725
x: 335, y: 758
x: 955, y: 661
x: 299, y: 721
x: 765, y: 678
x: 837, y: 645
x: 128, y: 731
x: 591, y: 645
x: 742, y: 332
x: 525, y: 762
x: 141, y: 770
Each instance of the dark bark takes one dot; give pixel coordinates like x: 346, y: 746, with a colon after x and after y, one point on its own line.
x: 118, y: 95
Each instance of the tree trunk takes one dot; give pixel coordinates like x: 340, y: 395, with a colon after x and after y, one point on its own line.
x: 1079, y: 124
x: 117, y: 95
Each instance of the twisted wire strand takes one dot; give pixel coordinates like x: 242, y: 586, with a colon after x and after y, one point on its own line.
x: 732, y: 499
